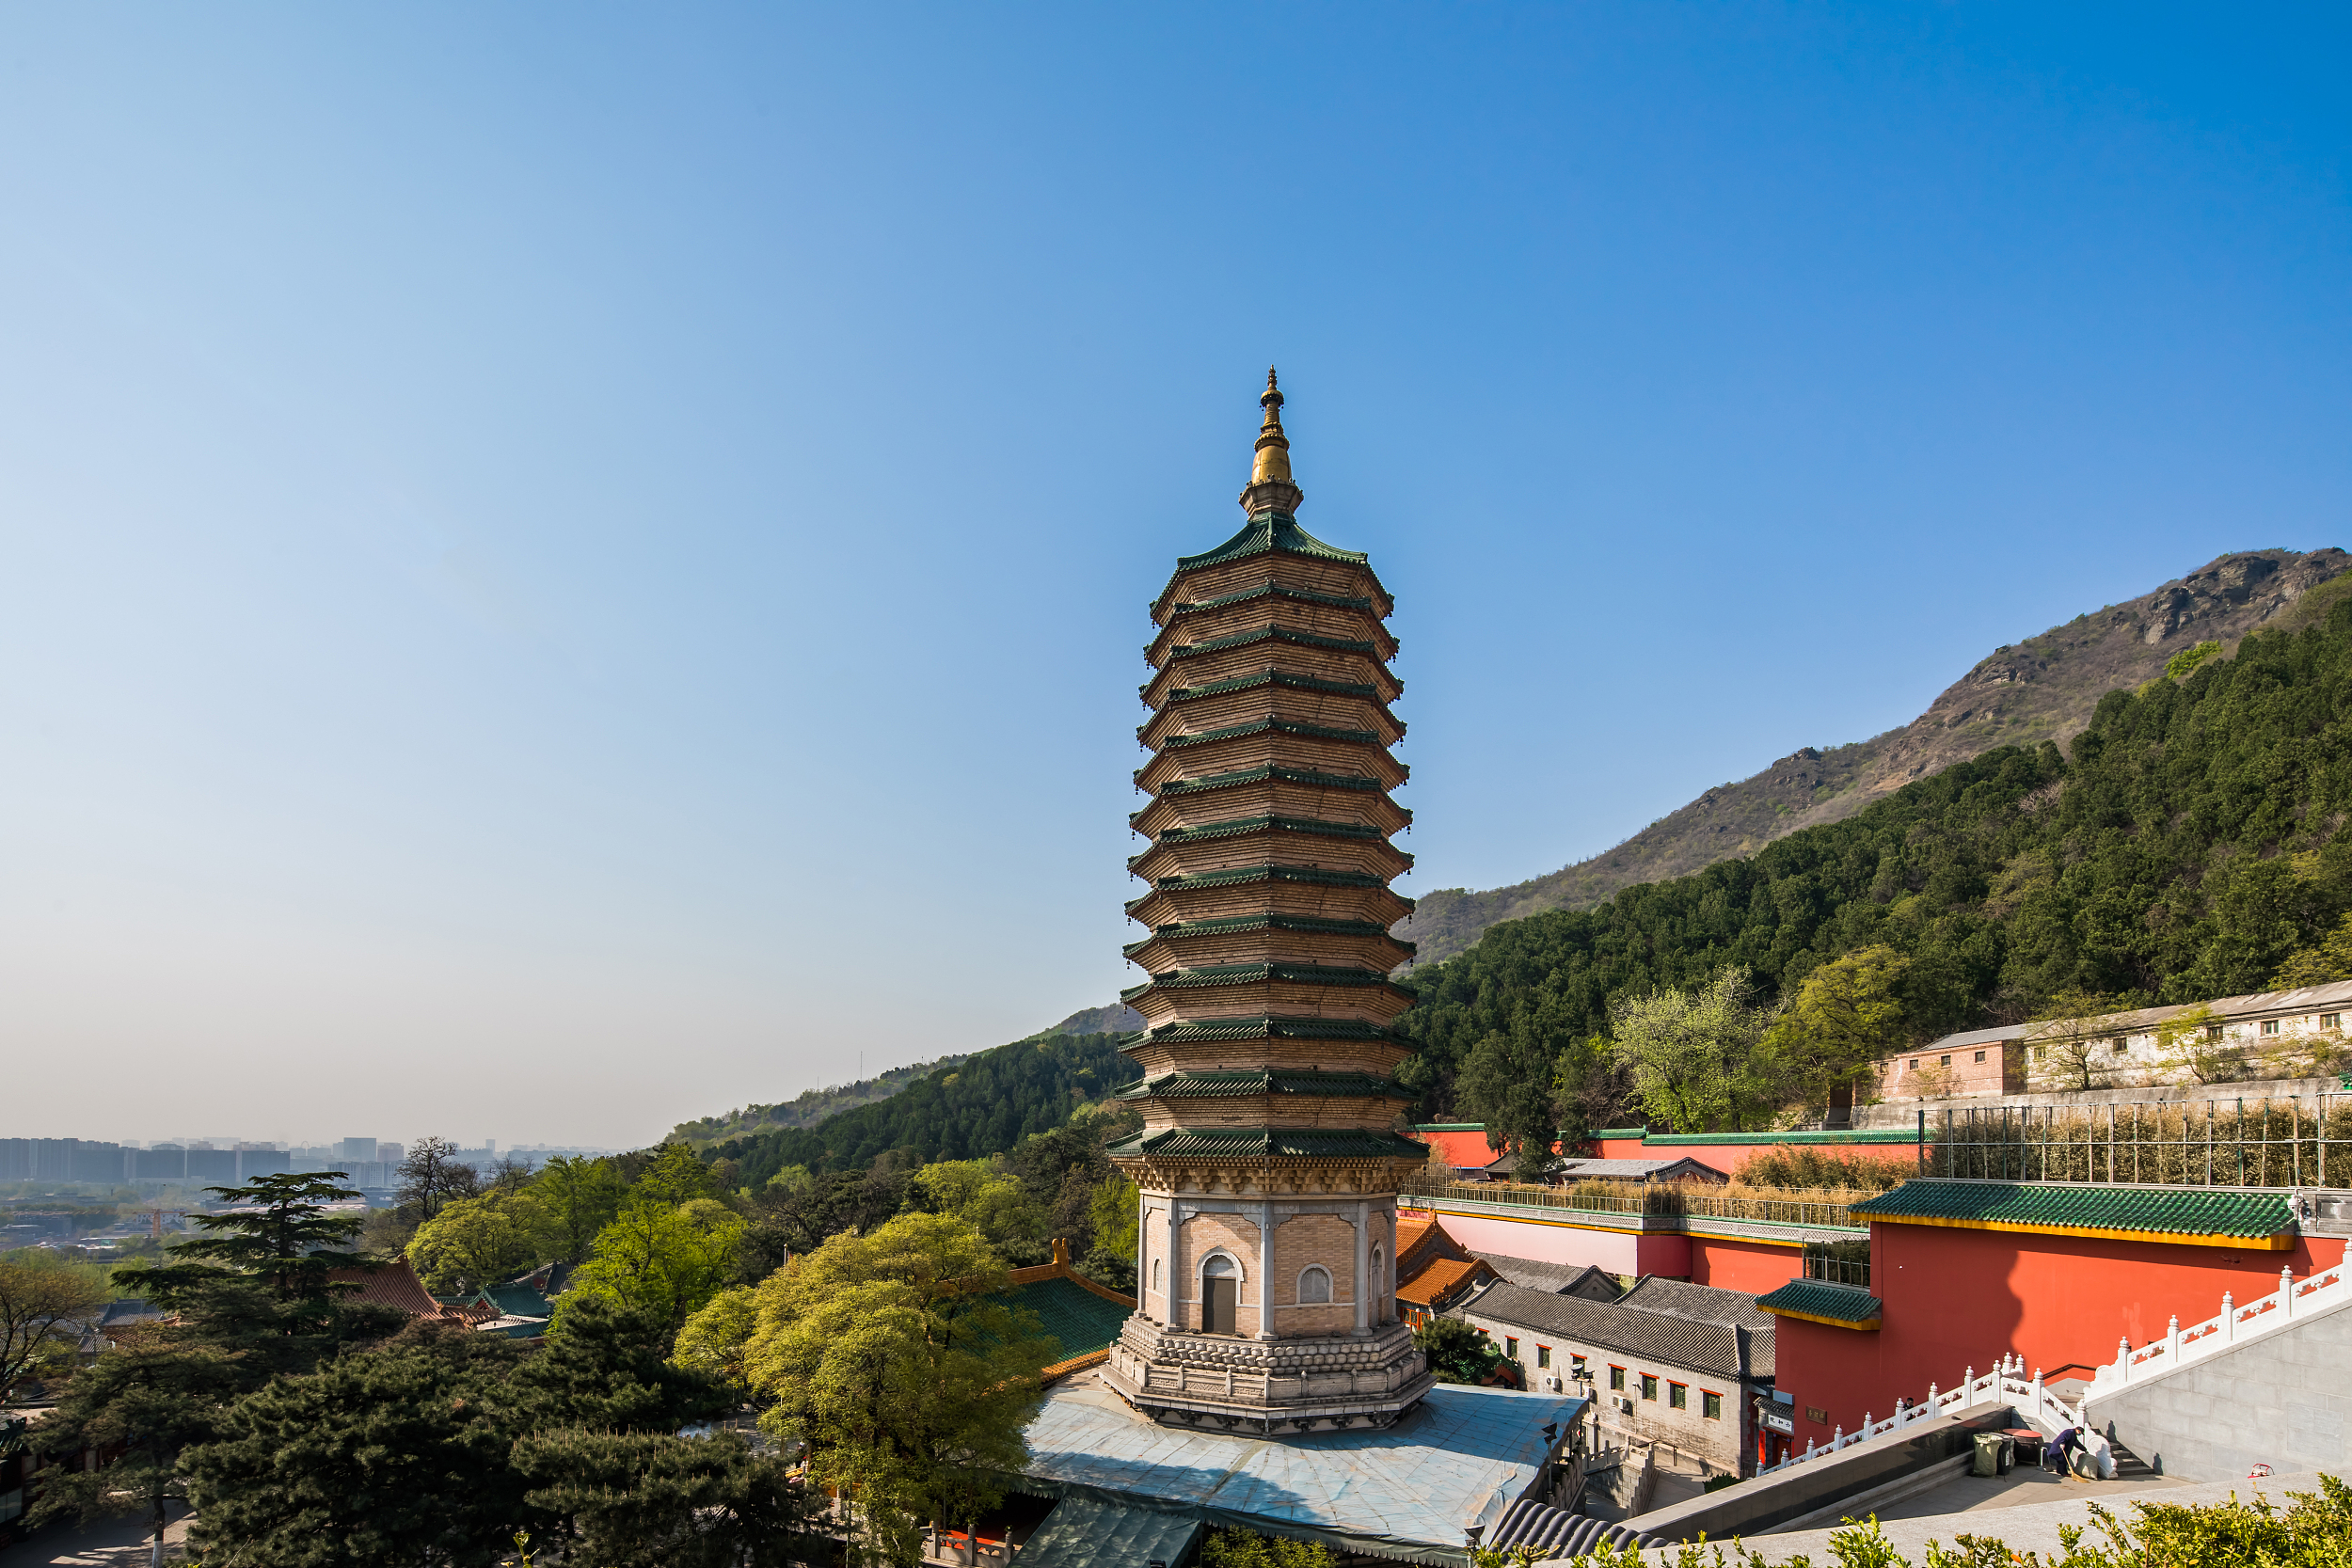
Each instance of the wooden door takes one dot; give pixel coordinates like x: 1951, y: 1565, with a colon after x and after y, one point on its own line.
x: 1217, y: 1304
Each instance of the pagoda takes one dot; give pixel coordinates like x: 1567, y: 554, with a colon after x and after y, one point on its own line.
x: 1268, y: 1164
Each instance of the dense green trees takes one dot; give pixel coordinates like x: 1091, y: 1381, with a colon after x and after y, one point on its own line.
x: 1457, y: 1352
x: 439, y: 1445
x: 898, y: 1361
x: 984, y: 1105
x: 2185, y: 847
x: 474, y: 1242
x: 253, y: 1303
x: 42, y: 1303
x: 1691, y: 1055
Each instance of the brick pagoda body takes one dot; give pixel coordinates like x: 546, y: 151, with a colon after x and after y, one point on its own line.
x: 1267, y: 1162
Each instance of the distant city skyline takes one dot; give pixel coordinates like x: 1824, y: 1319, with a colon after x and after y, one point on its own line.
x: 589, y: 566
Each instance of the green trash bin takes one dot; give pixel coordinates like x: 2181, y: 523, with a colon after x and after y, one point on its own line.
x: 1988, y: 1456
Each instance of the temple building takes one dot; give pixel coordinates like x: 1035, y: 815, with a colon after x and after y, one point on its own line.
x: 1269, y: 1159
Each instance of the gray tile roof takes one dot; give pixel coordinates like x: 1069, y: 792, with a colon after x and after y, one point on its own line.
x: 1560, y: 1279
x: 1658, y: 1338
x: 1680, y: 1298
x: 1639, y: 1170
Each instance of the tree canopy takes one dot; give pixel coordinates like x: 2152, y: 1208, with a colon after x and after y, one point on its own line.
x: 984, y: 1104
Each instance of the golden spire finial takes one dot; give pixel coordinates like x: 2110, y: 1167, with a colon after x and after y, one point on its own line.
x: 1270, y: 487
x: 1274, y: 448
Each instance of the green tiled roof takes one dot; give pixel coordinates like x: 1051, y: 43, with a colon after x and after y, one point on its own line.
x: 1274, y: 677
x: 2152, y: 1210
x: 1250, y: 975
x: 1176, y: 930
x: 1281, y: 726
x: 1238, y: 875
x: 1335, y: 601
x: 1235, y: 827
x: 1180, y: 930
x: 1817, y: 1298
x: 1218, y: 1030
x: 1271, y: 530
x: 1213, y: 1143
x: 1260, y: 775
x: 1275, y: 634
x: 1082, y: 1320
x: 1242, y: 1085
x: 1612, y: 1131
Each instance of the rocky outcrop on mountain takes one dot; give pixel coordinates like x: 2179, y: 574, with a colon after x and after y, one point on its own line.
x: 2042, y: 689
x: 1118, y: 1018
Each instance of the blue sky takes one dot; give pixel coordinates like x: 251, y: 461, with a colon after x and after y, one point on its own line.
x: 569, y: 568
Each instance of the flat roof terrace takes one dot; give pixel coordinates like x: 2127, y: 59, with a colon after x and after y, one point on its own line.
x: 1459, y: 1458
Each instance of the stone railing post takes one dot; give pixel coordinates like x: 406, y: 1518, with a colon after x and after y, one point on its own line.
x: 2229, y: 1318
x: 2172, y: 1341
x: 2286, y: 1292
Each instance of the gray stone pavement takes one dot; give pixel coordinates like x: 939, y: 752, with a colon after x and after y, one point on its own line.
x: 115, y: 1544
x: 2015, y: 1513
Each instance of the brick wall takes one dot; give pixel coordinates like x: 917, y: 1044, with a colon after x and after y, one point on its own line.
x: 1201, y: 1235
x: 1310, y: 1240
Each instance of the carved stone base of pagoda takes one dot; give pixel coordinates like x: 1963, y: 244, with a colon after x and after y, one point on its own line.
x: 1224, y: 1383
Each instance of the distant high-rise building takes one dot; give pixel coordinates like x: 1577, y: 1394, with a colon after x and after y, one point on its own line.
x: 391, y: 1154
x: 356, y: 1149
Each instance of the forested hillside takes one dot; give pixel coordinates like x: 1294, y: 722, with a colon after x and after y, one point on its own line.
x: 2186, y: 846
x: 984, y: 1104
x: 2041, y: 689
x: 809, y: 1108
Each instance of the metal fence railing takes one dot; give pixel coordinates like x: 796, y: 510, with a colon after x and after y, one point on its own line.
x: 2265, y: 1141
x: 1838, y: 1263
x: 1660, y: 1198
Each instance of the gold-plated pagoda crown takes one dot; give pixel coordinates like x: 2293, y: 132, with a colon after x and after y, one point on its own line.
x: 1274, y: 448
x: 1270, y: 487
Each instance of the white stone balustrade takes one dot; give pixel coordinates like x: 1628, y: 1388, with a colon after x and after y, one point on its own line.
x: 2264, y: 1314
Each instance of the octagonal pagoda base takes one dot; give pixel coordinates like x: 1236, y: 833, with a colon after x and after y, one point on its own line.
x: 1227, y: 1383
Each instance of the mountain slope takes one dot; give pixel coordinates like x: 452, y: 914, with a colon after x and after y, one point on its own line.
x: 812, y: 1107
x: 984, y: 1104
x: 2187, y: 844
x: 2043, y: 688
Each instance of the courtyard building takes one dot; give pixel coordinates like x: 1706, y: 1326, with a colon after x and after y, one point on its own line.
x: 1683, y: 1371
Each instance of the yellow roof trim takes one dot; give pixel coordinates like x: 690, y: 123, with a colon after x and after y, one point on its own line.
x: 1864, y: 1324
x: 2283, y: 1241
